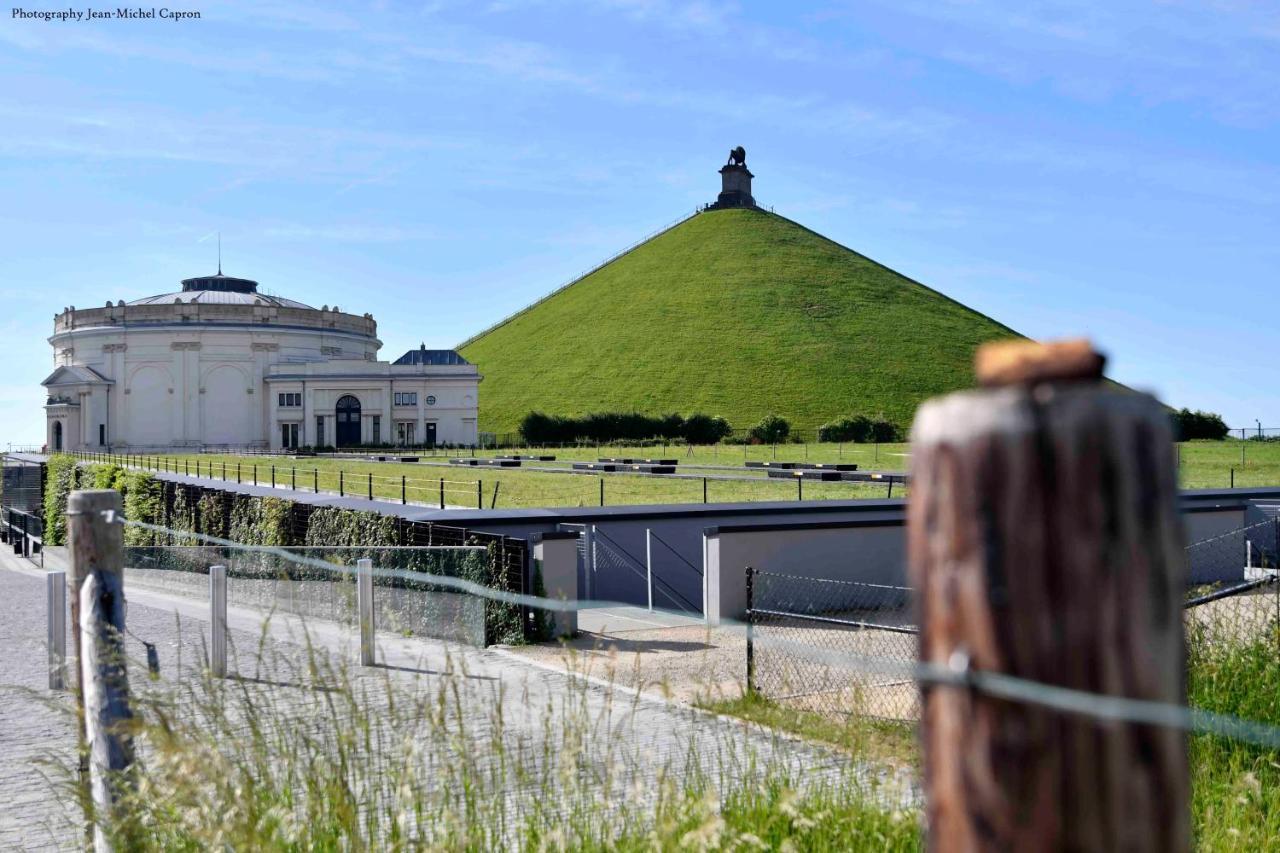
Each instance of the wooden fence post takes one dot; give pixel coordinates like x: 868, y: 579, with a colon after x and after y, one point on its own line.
x: 1045, y: 544
x: 96, y: 541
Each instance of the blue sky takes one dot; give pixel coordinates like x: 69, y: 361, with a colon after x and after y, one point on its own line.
x: 1105, y: 169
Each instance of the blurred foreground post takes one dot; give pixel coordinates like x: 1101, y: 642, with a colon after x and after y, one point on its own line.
x: 1045, y: 544
x: 95, y: 532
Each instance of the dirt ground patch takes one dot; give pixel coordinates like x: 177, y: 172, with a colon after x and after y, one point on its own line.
x: 685, y: 663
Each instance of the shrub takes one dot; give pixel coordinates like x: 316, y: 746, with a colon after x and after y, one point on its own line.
x: 855, y: 429
x: 342, y: 527
x: 860, y: 429
x: 771, y: 430
x: 144, y: 502
x: 705, y: 429
x: 1188, y: 425
x: 261, y: 521
x: 61, y: 479
x: 884, y: 432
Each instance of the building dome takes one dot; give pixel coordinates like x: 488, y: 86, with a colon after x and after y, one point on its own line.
x: 219, y: 365
x: 220, y: 289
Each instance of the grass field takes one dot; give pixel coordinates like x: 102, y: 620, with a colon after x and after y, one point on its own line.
x: 1203, y: 464
x: 815, y: 331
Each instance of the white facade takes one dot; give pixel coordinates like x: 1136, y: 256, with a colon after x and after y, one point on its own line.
x: 220, y: 365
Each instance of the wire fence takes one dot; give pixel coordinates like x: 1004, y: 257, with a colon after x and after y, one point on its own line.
x: 843, y: 649
x: 837, y: 648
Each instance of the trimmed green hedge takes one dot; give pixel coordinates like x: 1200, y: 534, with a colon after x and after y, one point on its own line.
x: 62, y: 477
x: 697, y: 428
x: 187, y: 511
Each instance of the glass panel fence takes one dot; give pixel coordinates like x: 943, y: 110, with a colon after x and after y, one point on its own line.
x: 320, y: 583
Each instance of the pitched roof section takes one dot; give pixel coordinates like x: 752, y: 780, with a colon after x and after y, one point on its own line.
x: 76, y: 374
x: 422, y: 355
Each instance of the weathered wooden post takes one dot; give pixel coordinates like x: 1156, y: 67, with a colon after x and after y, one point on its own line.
x: 364, y: 606
x: 1045, y: 544
x: 96, y: 538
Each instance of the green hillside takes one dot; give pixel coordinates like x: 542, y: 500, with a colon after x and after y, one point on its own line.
x: 737, y: 313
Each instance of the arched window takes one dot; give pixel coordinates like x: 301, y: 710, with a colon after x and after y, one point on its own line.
x: 348, y: 417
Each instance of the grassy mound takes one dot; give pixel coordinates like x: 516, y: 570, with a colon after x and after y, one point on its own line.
x: 737, y: 313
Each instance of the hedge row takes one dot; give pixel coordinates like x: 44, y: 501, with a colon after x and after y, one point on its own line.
x: 539, y: 428
x: 177, y: 513
x: 860, y: 429
x: 1188, y: 425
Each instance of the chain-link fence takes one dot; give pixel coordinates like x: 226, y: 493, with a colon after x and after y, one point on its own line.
x: 850, y: 620
x: 1232, y: 617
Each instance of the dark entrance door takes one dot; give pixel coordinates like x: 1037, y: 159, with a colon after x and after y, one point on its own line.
x: 57, y: 435
x: 348, y: 430
x: 431, y: 435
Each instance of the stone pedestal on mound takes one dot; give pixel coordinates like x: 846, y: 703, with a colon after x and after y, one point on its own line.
x: 735, y: 190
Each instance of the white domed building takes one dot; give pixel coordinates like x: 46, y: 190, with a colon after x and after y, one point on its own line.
x: 220, y: 365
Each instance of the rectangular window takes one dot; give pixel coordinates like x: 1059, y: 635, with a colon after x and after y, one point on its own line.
x: 405, y: 432
x: 377, y: 429
x: 282, y: 400
x: 290, y: 400
x: 406, y: 398
x: 319, y: 430
x: 102, y: 435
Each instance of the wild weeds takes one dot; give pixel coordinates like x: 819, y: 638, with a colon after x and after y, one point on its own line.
x: 310, y: 752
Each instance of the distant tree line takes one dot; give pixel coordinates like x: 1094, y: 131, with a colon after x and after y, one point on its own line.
x: 1188, y: 425
x: 697, y: 428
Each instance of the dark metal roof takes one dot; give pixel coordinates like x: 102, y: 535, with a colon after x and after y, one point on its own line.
x: 422, y: 355
x: 220, y: 282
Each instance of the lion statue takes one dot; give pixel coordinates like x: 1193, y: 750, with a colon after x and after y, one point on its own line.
x: 738, y: 156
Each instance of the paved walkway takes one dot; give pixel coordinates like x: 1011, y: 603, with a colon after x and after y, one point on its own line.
x: 649, y: 734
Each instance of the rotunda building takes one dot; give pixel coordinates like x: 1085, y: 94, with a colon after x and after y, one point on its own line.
x: 220, y: 365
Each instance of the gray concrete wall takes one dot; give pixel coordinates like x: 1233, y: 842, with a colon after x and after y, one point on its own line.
x: 868, y: 553
x: 678, y: 551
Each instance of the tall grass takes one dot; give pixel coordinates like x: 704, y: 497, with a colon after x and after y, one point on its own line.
x: 309, y: 753
x: 1235, y: 787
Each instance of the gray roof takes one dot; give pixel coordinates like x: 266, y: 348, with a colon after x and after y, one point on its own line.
x: 219, y: 289
x: 75, y: 374
x: 422, y: 355
x: 220, y: 297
